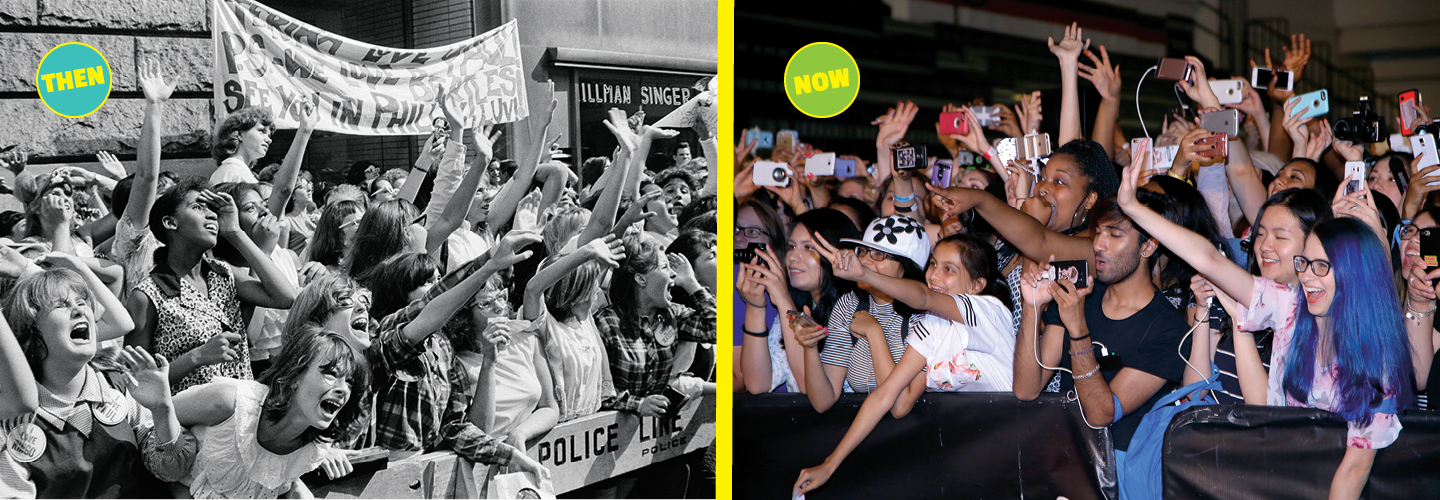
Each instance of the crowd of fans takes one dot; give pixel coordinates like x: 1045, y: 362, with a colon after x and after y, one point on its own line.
x: 222, y: 337
x: 1082, y: 272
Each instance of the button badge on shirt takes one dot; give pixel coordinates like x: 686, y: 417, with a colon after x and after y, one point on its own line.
x: 27, y: 443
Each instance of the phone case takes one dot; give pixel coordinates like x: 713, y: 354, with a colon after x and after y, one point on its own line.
x: 1228, y: 91
x: 988, y: 116
x: 1007, y: 150
x: 764, y: 139
x: 1410, y: 114
x: 1222, y: 122
x: 911, y: 157
x: 1430, y: 248
x: 1140, y: 153
x: 820, y: 164
x: 1354, y: 176
x: 1036, y: 146
x: 954, y: 123
x: 1164, y: 157
x: 1173, y: 69
x: 1318, y: 103
x: 1222, y: 146
x: 940, y: 174
x: 845, y: 168
x: 787, y: 140
x: 770, y: 173
x: 1076, y: 271
x: 1424, y: 144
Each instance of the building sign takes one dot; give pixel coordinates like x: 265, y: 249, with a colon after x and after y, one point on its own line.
x: 657, y: 94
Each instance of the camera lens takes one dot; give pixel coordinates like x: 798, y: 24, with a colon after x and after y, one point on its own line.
x: 778, y: 175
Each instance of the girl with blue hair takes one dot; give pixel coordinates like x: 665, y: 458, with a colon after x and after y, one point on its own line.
x: 1339, y: 344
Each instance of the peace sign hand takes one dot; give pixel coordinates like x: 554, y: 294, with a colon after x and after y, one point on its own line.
x: 845, y: 264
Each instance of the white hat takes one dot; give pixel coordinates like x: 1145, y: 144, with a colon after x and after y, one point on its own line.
x: 897, y: 235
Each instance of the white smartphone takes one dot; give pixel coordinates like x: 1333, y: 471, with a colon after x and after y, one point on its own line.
x: 820, y: 164
x: 1260, y: 79
x: 1228, y: 91
x: 1424, y: 144
x: 1163, y: 157
x: 771, y: 173
x: 1006, y: 150
x: 1140, y: 154
x: 1354, y: 177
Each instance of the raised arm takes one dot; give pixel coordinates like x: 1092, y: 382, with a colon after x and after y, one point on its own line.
x: 114, y: 322
x: 893, y: 126
x: 611, y: 186
x: 1068, y: 51
x: 289, y: 173
x: 1107, y: 81
x: 1030, y: 236
x: 147, y: 154
x: 440, y: 309
x: 1188, y: 245
x: 910, y: 292
x: 1245, y: 181
x: 503, y: 206
x: 608, y: 252
x: 272, y: 289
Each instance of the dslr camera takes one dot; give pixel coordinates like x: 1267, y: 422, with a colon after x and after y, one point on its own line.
x: 1362, y: 127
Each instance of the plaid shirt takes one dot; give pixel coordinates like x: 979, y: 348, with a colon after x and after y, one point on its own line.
x: 423, y: 393
x: 639, y: 365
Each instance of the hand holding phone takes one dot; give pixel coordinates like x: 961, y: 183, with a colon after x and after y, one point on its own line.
x: 1354, y: 177
x: 955, y: 123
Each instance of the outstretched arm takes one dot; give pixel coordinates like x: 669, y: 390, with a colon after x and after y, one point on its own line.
x: 1068, y: 51
x: 608, y: 252
x: 1107, y: 81
x: 147, y: 154
x: 910, y: 292
x: 611, y: 186
x: 289, y: 172
x: 502, y: 208
x: 1035, y: 241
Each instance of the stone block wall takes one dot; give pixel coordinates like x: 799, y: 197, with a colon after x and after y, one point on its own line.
x: 174, y: 32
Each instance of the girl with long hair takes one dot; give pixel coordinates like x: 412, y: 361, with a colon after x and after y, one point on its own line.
x: 1339, y: 342
x: 964, y: 344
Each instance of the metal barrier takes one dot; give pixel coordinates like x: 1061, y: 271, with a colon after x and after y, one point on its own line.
x: 578, y: 453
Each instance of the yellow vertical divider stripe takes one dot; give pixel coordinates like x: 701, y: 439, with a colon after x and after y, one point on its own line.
x: 724, y: 294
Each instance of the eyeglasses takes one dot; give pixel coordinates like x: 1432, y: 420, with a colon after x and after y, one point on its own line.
x: 1410, y: 231
x: 874, y: 254
x: 750, y: 232
x: 1320, y: 267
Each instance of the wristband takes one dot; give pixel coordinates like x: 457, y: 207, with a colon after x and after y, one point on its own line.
x: 755, y: 334
x: 904, y: 199
x: 906, y: 208
x: 1082, y: 337
x: 1072, y: 353
x: 1119, y: 412
x: 989, y: 153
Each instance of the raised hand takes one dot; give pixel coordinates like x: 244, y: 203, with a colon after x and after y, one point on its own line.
x: 975, y: 139
x: 1295, y: 126
x: 751, y: 289
x: 608, y: 252
x: 1319, y: 141
x: 1418, y: 282
x: 309, y: 115
x: 1198, y: 87
x: 1419, y: 189
x: 684, y: 274
x: 150, y: 375
x: 1297, y: 55
x: 12, y: 264
x: 894, y: 123
x: 1030, y: 112
x: 1009, y: 123
x: 57, y: 208
x: 1034, y: 290
x: 224, y: 207
x: 1348, y: 150
x: 843, y: 263
x: 745, y: 147
x: 1129, y: 185
x: 1249, y: 101
x: 626, y: 138
x: 948, y: 140
x: 153, y: 84
x: 1105, y: 77
x: 111, y: 165
x: 1071, y: 301
x: 527, y: 215
x: 1359, y: 205
x: 1190, y: 149
x: 14, y: 161
x: 1069, y: 48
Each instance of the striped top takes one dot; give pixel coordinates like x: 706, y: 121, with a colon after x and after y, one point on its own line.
x: 843, y: 349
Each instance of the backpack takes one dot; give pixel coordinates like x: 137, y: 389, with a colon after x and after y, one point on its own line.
x: 1140, y: 472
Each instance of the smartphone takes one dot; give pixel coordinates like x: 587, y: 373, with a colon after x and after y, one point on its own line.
x: 1424, y: 144
x: 954, y: 123
x: 1140, y: 154
x: 845, y: 168
x: 800, y: 320
x: 1007, y: 150
x: 1163, y: 157
x: 1173, y: 69
x: 820, y: 164
x: 1410, y: 113
x: 747, y: 254
x: 1260, y: 79
x: 1228, y: 91
x: 964, y: 159
x: 988, y: 116
x: 1318, y: 103
x: 786, y: 141
x: 771, y: 173
x: 1074, y: 271
x: 1221, y: 143
x: 1354, y: 177
x: 764, y: 139
x: 1036, y: 145
x: 1224, y: 121
x: 910, y: 157
x: 940, y: 174
x: 677, y: 401
x: 1430, y: 248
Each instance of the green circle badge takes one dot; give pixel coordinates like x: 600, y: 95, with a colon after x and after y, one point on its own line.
x: 822, y: 80
x: 73, y: 80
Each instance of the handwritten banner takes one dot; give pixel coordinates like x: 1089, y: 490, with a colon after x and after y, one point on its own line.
x: 266, y: 59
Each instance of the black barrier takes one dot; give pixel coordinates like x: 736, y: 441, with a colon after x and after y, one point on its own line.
x: 952, y: 445
x: 1277, y: 452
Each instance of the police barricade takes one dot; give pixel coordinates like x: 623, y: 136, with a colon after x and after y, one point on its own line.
x: 1278, y: 452
x: 952, y: 445
x: 578, y: 453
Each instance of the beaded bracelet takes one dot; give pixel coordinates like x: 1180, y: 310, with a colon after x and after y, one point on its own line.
x: 1072, y: 353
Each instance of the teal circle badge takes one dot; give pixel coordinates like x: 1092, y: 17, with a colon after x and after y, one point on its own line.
x: 73, y: 79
